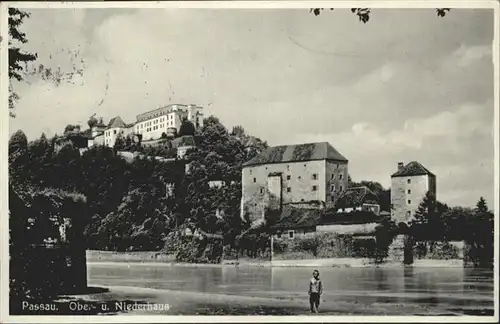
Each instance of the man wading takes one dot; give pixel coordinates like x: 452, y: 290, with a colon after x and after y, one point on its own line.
x: 315, y: 291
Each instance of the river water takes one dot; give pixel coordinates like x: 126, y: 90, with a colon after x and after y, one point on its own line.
x: 466, y: 291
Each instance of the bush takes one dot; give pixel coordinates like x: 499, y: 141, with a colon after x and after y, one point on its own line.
x: 193, y: 249
x: 308, y: 244
x: 321, y: 245
x: 280, y: 246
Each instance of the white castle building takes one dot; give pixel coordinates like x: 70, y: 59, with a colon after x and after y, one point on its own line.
x: 150, y: 125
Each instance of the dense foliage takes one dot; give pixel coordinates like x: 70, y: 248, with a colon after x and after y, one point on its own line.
x: 38, y: 273
x: 133, y: 206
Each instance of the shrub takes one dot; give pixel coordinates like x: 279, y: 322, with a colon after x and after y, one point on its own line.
x: 280, y: 246
x: 443, y: 251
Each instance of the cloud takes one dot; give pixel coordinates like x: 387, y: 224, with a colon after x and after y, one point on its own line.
x: 467, y: 55
x: 406, y: 86
x: 443, y: 142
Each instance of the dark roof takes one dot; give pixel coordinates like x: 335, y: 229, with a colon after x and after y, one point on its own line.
x: 187, y: 140
x: 116, y: 122
x: 297, y: 152
x: 355, y: 197
x: 413, y: 168
x: 293, y: 217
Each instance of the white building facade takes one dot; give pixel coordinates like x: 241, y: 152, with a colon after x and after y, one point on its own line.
x: 153, y: 124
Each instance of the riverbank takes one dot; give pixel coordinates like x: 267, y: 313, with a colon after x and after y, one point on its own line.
x: 147, y: 301
x: 158, y: 258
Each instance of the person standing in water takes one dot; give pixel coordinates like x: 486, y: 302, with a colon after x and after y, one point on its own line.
x: 315, y: 291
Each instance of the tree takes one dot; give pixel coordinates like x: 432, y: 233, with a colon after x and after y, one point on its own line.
x: 18, y: 158
x: 238, y: 131
x: 479, y: 235
x: 363, y: 14
x: 481, y: 206
x: 18, y: 142
x: 17, y: 57
x: 119, y: 143
x: 92, y: 121
x: 187, y: 128
x: 70, y: 128
x: 385, y: 233
x: 426, y: 225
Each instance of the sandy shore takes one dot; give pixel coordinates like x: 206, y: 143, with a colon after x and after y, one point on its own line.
x: 147, y: 301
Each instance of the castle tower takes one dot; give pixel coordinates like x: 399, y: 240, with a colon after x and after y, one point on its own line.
x: 409, y: 185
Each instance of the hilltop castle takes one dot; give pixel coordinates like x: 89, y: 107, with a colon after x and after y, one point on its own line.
x: 165, y: 121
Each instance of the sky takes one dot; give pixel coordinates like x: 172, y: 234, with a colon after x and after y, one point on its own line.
x: 406, y: 86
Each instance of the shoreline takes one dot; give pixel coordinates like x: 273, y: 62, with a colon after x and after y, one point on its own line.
x: 127, y: 300
x: 162, y: 260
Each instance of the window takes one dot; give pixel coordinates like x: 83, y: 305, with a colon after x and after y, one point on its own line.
x: 114, y: 132
x: 333, y: 188
x: 288, y: 189
x: 340, y: 176
x: 288, y: 177
x: 291, y: 234
x: 254, y: 180
x: 341, y: 188
x: 299, y: 177
x: 314, y: 188
x: 409, y: 181
x: 302, y: 199
x: 315, y: 176
x: 409, y: 191
x: 261, y: 190
x: 250, y: 171
x: 408, y: 213
x: 332, y: 198
x: 288, y: 167
x: 409, y: 202
x: 333, y: 176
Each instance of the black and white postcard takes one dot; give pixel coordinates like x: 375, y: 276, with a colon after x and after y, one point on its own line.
x: 254, y: 161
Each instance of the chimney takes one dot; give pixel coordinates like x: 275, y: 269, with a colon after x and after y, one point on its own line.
x: 400, y: 165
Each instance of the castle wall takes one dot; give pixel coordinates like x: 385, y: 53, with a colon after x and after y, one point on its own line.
x: 301, y: 182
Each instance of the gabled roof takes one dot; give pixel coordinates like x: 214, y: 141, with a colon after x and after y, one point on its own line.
x: 296, y: 153
x: 356, y: 197
x: 116, y: 122
x: 413, y: 168
x: 293, y: 217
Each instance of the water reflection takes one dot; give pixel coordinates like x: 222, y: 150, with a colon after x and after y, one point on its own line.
x: 449, y: 288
